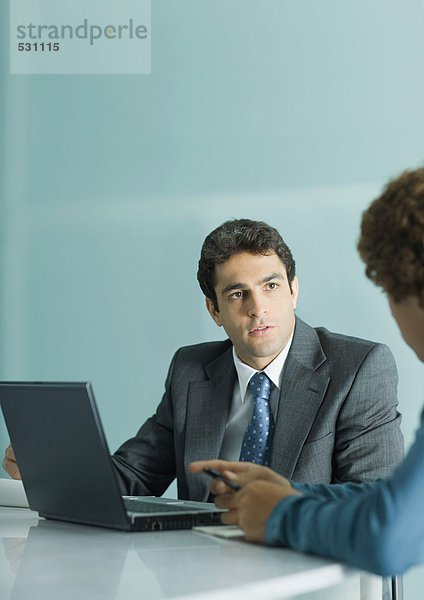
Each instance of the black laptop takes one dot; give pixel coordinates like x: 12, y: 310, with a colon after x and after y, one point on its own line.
x: 66, y: 468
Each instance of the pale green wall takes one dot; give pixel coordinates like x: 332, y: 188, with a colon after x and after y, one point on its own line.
x: 290, y: 111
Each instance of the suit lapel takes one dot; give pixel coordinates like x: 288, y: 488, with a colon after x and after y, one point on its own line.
x: 301, y: 395
x: 208, y: 404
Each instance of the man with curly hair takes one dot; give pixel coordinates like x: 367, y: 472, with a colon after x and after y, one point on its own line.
x: 375, y: 526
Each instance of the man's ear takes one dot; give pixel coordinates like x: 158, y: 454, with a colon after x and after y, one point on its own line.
x: 213, y: 312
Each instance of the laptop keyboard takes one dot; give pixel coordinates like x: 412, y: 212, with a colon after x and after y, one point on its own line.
x: 152, y: 507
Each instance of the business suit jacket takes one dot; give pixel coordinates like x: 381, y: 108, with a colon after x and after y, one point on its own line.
x: 337, y: 418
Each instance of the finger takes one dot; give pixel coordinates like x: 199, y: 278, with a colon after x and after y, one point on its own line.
x: 225, y: 501
x: 251, y: 473
x: 240, y: 478
x: 230, y: 517
x: 218, y: 465
x: 199, y: 465
x: 219, y: 487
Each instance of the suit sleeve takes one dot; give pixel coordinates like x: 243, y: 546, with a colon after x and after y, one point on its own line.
x: 369, y: 442
x: 377, y: 526
x: 146, y: 464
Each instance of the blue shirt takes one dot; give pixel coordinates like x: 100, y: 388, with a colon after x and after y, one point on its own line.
x: 378, y: 527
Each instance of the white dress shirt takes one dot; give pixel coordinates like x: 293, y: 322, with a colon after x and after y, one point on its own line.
x: 242, y: 402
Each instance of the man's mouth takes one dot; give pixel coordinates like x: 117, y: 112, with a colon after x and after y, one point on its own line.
x: 260, y: 330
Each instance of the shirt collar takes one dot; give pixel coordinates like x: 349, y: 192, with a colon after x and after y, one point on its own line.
x: 274, y: 370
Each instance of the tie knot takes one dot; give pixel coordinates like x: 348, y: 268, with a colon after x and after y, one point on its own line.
x: 260, y: 386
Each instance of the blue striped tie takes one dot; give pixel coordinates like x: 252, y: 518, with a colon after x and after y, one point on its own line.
x: 257, y: 440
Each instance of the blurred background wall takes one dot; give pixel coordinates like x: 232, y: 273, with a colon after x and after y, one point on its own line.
x: 294, y: 112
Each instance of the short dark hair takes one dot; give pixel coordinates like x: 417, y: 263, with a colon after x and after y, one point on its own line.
x: 234, y: 237
x: 392, y: 237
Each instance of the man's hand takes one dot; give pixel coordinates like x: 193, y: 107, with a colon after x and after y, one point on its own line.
x: 9, y: 463
x: 239, y: 472
x: 249, y: 508
x: 255, y: 503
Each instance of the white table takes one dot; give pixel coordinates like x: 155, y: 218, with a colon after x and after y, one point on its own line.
x: 49, y: 560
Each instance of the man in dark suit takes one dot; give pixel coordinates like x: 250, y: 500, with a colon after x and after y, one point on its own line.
x: 332, y: 398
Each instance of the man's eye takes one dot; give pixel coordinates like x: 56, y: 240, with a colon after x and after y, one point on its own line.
x: 236, y: 295
x: 272, y: 285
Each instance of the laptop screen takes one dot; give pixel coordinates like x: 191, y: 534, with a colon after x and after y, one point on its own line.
x: 62, y: 452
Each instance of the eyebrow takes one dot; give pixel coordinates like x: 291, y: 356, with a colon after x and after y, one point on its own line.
x: 241, y: 286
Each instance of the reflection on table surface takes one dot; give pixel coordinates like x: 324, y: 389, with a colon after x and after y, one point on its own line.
x: 50, y: 559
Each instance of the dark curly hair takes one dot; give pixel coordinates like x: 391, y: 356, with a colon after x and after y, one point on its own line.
x: 234, y: 237
x: 392, y: 237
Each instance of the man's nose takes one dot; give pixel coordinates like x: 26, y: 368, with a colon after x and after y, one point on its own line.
x: 257, y: 306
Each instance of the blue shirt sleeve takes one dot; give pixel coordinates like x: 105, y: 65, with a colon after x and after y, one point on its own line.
x: 377, y: 526
x: 332, y: 491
